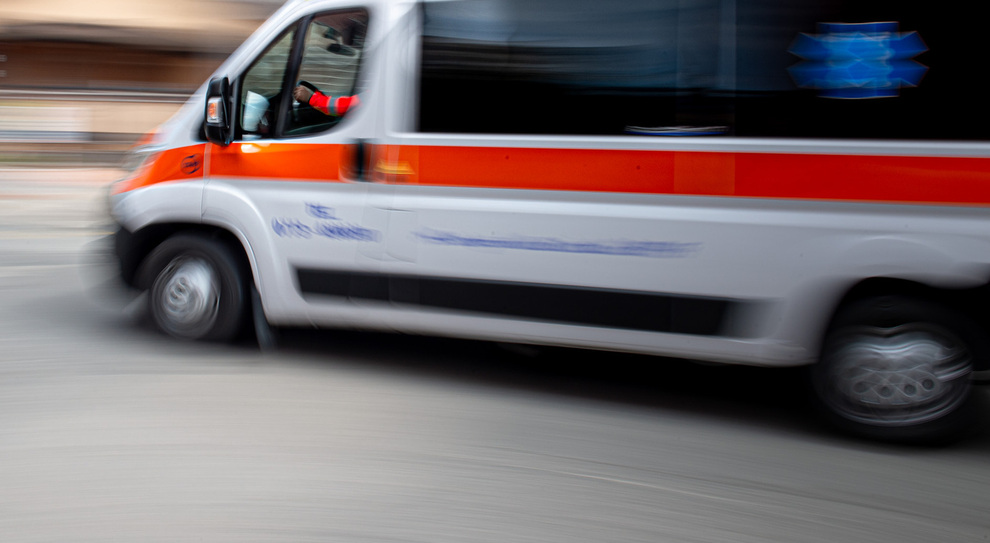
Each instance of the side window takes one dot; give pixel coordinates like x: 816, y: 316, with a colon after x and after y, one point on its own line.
x: 571, y: 66
x: 305, y: 83
x: 261, y: 89
x: 331, y: 57
x: 752, y: 68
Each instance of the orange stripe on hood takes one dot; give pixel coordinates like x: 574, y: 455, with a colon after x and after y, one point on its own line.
x: 180, y: 164
x: 277, y: 160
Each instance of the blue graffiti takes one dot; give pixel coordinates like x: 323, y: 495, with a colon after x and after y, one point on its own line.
x: 294, y: 228
x: 291, y: 228
x: 864, y: 60
x: 320, y: 211
x: 654, y: 249
x: 346, y: 232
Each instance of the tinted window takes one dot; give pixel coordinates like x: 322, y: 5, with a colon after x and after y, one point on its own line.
x: 713, y: 67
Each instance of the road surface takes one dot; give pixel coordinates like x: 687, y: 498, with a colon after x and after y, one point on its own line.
x: 110, y: 432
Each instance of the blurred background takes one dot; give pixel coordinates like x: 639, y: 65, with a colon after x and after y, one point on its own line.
x: 80, y: 81
x: 111, y: 432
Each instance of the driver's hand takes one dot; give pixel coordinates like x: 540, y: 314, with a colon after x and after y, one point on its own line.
x: 302, y: 94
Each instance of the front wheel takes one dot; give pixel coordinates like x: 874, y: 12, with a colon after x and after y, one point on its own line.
x: 196, y: 289
x: 898, y: 369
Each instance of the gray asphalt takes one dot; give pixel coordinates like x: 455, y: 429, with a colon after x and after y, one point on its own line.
x: 110, y: 432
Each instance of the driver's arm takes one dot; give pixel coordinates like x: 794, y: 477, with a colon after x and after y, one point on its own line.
x: 323, y: 103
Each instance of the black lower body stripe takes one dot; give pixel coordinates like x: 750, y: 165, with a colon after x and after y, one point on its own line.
x: 625, y: 309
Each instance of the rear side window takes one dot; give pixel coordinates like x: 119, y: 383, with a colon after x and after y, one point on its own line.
x: 818, y: 68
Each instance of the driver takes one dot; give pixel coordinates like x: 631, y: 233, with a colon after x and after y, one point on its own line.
x: 323, y: 103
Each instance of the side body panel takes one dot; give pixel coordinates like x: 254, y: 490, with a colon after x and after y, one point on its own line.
x: 727, y: 277
x: 725, y: 249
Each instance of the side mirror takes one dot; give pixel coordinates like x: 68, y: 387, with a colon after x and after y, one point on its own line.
x: 218, y: 126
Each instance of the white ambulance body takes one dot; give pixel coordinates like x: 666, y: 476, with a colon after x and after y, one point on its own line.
x: 441, y: 202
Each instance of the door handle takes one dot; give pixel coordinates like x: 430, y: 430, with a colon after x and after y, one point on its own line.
x: 357, y: 154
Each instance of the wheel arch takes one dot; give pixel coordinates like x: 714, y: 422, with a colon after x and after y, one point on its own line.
x: 971, y: 302
x: 134, y: 247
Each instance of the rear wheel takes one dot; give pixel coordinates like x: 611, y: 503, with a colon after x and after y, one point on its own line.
x: 899, y: 369
x: 196, y: 288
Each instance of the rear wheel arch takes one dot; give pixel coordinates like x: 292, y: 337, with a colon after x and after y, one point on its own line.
x: 970, y: 302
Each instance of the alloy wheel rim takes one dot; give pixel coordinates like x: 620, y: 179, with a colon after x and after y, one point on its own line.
x: 188, y: 297
x: 898, y: 376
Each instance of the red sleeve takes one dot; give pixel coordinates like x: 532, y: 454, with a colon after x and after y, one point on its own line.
x: 320, y: 101
x: 343, y: 103
x: 330, y: 106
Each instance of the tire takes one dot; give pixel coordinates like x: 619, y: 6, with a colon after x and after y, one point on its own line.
x: 196, y: 288
x: 898, y: 369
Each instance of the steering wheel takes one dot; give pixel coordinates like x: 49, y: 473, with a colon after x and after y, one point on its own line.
x: 303, y: 106
x: 309, y: 86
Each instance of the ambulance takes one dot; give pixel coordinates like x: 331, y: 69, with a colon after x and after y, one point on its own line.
x: 728, y: 181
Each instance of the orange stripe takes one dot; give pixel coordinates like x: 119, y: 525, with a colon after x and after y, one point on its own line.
x: 258, y: 160
x: 946, y: 180
x: 275, y: 160
x: 913, y: 179
x: 179, y: 164
x: 949, y: 180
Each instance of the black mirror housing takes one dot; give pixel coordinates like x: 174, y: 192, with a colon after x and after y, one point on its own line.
x: 217, y: 113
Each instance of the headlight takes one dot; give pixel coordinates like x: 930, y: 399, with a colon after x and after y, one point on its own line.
x: 133, y: 160
x: 134, y: 165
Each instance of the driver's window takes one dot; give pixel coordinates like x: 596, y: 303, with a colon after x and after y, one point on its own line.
x: 333, y: 47
x: 261, y: 89
x: 274, y: 102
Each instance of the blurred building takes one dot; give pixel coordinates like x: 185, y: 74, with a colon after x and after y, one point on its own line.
x: 105, y: 71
